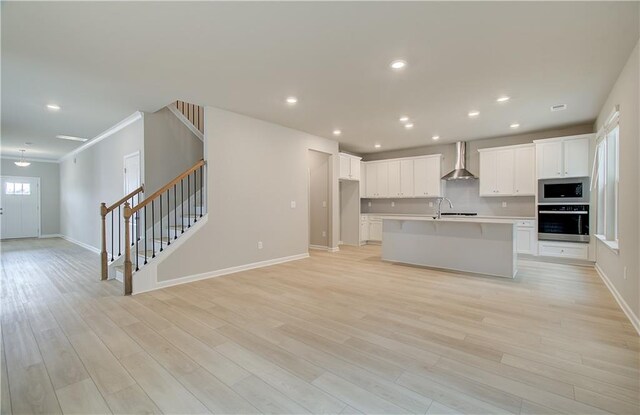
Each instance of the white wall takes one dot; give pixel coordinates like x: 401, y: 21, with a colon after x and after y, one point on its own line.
x: 254, y: 170
x: 49, y: 174
x: 93, y: 176
x: 625, y: 93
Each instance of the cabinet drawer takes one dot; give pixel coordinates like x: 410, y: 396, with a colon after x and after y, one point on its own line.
x: 526, y: 223
x: 564, y: 249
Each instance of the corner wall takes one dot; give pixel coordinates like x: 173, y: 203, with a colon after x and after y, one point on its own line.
x: 255, y: 169
x: 625, y: 93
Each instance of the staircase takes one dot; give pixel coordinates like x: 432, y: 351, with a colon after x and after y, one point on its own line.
x: 149, y: 226
x: 193, y: 113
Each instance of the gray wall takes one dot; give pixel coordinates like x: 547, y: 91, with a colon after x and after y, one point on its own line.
x: 92, y: 176
x: 169, y: 148
x: 255, y: 169
x: 49, y: 174
x: 625, y: 93
x: 319, y: 203
x: 465, y: 194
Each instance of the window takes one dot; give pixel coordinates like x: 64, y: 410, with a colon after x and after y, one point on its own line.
x: 13, y: 188
x: 607, y: 177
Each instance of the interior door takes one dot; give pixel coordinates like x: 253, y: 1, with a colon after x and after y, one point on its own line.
x: 20, y: 210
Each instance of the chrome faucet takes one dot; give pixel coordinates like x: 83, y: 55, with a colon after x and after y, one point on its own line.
x: 439, y: 206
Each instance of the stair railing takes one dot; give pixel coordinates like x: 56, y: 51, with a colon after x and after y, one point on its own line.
x: 155, y: 203
x: 194, y: 113
x: 104, y: 211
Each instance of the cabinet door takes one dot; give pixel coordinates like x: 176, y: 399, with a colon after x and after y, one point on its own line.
x: 406, y: 178
x: 364, y: 230
x: 383, y: 179
x: 525, y: 171
x: 525, y: 240
x: 394, y: 178
x: 363, y: 181
x: 576, y: 157
x: 434, y: 177
x: 354, y: 168
x: 345, y: 166
x: 505, y: 172
x: 375, y: 231
x: 372, y: 180
x: 549, y: 159
x: 488, y: 173
x: 420, y: 172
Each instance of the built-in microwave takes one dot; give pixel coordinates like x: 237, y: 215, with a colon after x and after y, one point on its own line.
x: 572, y: 190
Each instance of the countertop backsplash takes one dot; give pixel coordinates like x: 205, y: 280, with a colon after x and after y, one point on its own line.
x: 465, y: 197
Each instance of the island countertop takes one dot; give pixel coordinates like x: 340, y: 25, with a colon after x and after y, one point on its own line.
x: 457, y: 219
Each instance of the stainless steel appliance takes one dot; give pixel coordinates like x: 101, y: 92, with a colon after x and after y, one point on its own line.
x: 573, y: 190
x: 563, y: 223
x: 460, y: 171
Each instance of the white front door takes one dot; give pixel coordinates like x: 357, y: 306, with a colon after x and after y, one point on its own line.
x: 20, y: 207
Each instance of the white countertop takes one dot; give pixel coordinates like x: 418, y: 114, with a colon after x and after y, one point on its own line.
x: 452, y: 218
x: 458, y: 219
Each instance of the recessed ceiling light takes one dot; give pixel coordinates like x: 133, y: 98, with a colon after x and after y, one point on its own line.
x: 408, y: 126
x: 53, y: 107
x: 398, y: 64
x: 292, y: 100
x: 337, y: 132
x: 377, y: 146
x: 473, y: 114
x: 72, y: 138
x: 514, y: 125
x: 559, y: 107
x: 435, y: 137
x: 404, y: 118
x: 503, y: 99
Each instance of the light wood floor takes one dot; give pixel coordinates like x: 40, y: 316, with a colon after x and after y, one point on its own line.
x: 336, y: 333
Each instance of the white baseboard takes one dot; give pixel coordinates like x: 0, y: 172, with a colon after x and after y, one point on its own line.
x: 50, y: 235
x: 324, y: 248
x: 225, y: 271
x: 82, y: 244
x: 635, y: 321
x: 336, y: 249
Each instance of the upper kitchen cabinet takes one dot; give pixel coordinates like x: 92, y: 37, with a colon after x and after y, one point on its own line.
x: 563, y: 157
x: 507, y: 171
x: 404, y: 178
x: 349, y: 167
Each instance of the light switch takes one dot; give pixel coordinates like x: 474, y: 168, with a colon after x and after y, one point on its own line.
x: 369, y: 204
x: 259, y: 244
x: 393, y: 204
x: 430, y: 204
x: 324, y: 234
x: 504, y: 204
x: 324, y: 203
x: 293, y: 204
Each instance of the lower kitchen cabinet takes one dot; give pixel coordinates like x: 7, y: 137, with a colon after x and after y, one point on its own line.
x: 370, y: 228
x: 526, y: 237
x: 571, y: 250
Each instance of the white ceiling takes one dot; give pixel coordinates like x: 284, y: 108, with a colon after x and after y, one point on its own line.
x: 103, y: 61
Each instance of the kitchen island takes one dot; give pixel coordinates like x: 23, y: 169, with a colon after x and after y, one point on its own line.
x: 475, y: 245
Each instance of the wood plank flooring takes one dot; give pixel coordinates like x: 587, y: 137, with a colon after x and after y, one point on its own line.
x: 336, y: 333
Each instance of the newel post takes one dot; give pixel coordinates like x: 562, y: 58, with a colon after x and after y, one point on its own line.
x: 127, y: 250
x: 103, y: 252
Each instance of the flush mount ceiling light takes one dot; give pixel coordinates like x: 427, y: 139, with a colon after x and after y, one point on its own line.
x: 559, y: 107
x: 404, y: 118
x: 53, y: 107
x: 72, y: 138
x: 377, y: 146
x: 22, y: 162
x: 292, y: 100
x: 514, y: 125
x: 503, y: 99
x: 408, y: 126
x: 337, y: 132
x: 473, y: 114
x: 398, y: 64
x: 435, y: 137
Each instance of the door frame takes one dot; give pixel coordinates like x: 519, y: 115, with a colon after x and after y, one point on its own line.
x: 124, y: 173
x: 39, y: 199
x: 330, y: 184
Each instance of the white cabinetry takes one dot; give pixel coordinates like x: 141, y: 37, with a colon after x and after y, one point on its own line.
x: 564, y: 249
x: 349, y: 167
x: 364, y: 228
x: 507, y: 171
x: 563, y: 157
x: 526, y: 237
x: 404, y: 178
x: 370, y: 228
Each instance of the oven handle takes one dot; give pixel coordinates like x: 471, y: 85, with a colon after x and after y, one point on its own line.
x: 554, y: 212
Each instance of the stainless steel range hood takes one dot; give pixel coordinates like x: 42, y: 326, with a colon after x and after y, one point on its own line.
x: 460, y: 172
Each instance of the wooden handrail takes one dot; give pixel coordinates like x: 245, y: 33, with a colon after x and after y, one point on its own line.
x: 163, y: 189
x: 125, y: 198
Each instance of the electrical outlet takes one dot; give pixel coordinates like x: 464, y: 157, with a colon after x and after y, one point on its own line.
x: 293, y: 204
x: 624, y: 274
x: 369, y: 204
x: 324, y: 203
x: 259, y: 244
x: 504, y: 204
x: 393, y: 204
x: 324, y: 234
x: 430, y: 204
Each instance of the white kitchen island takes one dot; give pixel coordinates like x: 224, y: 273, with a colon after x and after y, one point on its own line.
x: 475, y: 245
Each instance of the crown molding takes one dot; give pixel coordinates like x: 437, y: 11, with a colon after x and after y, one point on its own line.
x: 33, y: 160
x: 138, y: 115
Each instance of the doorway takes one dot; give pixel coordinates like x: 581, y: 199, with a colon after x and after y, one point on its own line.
x: 20, y: 210
x: 319, y: 180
